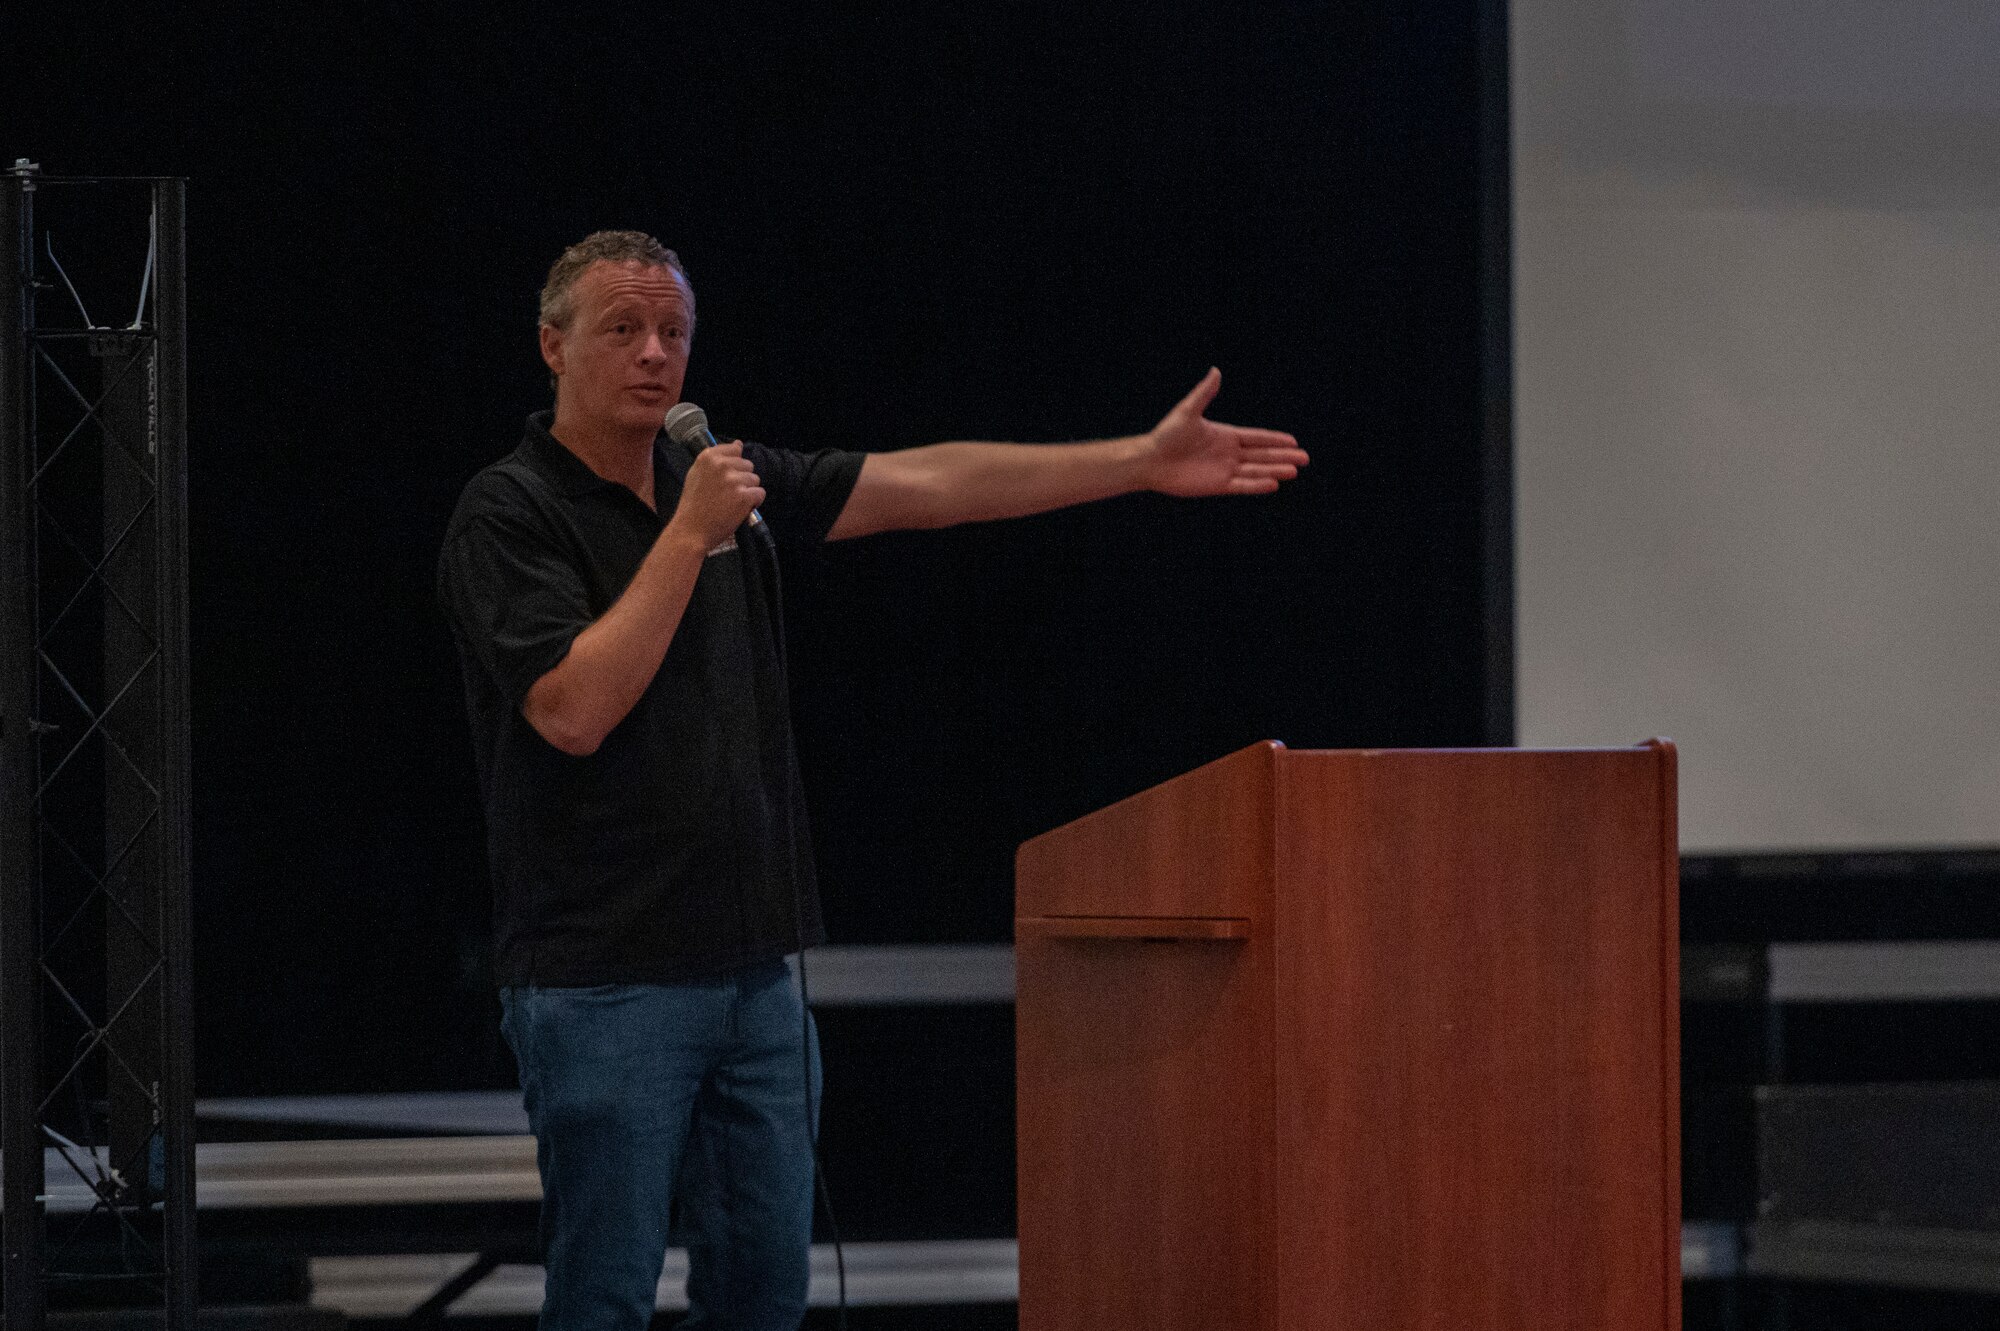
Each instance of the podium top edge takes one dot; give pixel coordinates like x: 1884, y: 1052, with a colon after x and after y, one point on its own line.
x: 1640, y: 747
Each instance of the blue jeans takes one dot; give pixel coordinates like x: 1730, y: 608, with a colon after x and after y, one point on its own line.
x: 633, y: 1088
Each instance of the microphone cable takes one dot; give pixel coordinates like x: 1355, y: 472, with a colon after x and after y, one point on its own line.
x: 760, y: 536
x: 819, y: 1167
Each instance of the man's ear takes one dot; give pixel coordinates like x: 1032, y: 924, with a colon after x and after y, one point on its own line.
x: 552, y: 348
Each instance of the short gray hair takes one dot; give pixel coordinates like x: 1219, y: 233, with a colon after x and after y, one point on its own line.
x: 558, y: 302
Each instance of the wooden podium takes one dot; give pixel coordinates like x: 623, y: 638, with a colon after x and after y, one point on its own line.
x: 1365, y: 1040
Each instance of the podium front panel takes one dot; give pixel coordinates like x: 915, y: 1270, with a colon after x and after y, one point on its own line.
x: 1145, y: 1131
x: 1478, y: 1041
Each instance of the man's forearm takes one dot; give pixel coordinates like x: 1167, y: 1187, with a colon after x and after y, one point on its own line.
x: 1186, y: 455
x: 576, y: 704
x: 939, y: 485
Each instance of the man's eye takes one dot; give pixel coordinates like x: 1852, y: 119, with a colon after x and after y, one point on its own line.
x: 621, y: 329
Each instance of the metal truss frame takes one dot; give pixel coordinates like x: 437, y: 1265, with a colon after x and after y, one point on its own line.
x: 95, y: 919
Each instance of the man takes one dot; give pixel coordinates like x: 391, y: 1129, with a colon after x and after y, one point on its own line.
x: 614, y: 602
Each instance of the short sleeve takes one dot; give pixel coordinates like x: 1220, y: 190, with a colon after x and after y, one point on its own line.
x: 804, y: 492
x: 514, y: 600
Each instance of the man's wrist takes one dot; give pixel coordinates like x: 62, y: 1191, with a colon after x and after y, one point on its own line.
x: 1140, y: 454
x: 679, y: 540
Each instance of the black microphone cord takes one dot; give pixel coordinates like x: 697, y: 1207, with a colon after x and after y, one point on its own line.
x: 819, y: 1167
x: 759, y: 536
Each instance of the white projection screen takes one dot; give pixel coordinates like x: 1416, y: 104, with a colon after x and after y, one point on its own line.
x: 1757, y: 436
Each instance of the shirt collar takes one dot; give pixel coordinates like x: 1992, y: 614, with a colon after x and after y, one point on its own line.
x: 568, y: 473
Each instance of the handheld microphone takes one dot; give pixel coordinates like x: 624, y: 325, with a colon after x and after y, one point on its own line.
x: 687, y: 425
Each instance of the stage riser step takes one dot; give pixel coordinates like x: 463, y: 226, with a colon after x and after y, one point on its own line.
x: 1909, y: 1155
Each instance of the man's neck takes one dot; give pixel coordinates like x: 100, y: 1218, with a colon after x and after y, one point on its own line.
x: 623, y: 456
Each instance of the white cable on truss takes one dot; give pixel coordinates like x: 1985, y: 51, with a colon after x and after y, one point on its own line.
x: 146, y: 278
x: 50, y: 243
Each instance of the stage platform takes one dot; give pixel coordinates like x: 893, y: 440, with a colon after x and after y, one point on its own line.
x: 388, y: 1222
x: 390, y: 1199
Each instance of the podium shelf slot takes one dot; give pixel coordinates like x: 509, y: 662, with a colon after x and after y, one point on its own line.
x: 1131, y: 927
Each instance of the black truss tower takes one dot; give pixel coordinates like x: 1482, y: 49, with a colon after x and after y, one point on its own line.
x: 96, y: 1099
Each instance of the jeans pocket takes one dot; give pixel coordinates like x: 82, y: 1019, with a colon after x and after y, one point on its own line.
x: 511, y: 1018
x: 559, y: 998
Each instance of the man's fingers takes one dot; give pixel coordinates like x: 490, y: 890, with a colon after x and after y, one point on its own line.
x: 1203, y: 393
x: 729, y: 464
x: 1283, y: 471
x: 1249, y: 436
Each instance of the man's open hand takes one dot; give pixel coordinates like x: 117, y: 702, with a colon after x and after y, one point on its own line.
x: 1192, y: 455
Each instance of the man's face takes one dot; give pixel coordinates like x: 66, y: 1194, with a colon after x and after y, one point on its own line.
x: 625, y: 352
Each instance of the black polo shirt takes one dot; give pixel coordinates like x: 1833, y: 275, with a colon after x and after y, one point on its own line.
x: 679, y: 848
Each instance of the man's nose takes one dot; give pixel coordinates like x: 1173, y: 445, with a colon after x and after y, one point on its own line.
x: 654, y: 349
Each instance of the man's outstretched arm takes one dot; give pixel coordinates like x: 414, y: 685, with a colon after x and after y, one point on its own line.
x: 1186, y: 454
